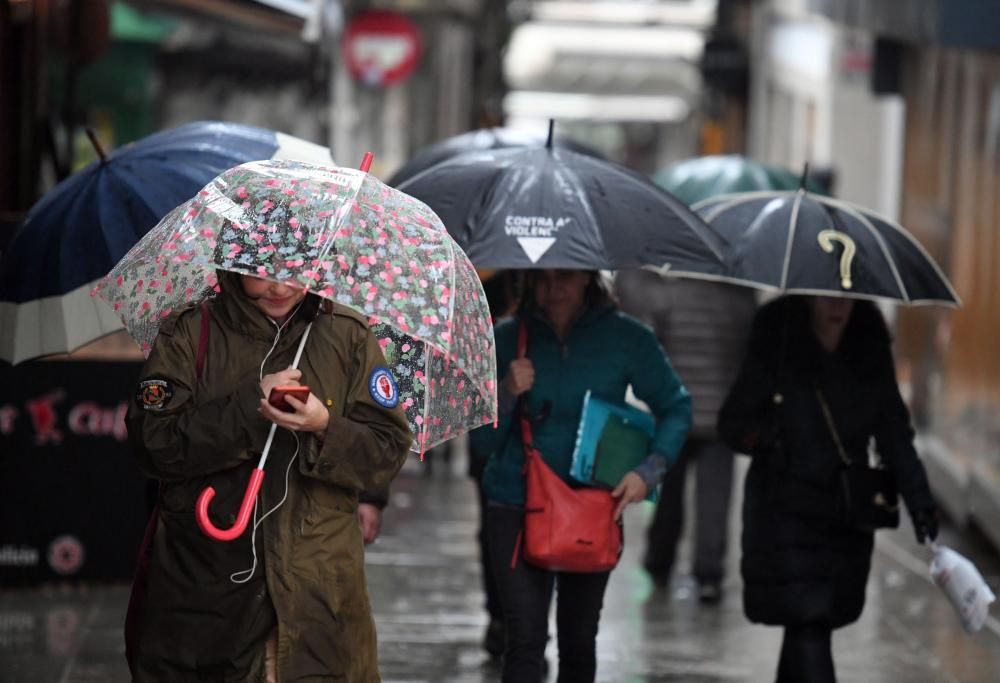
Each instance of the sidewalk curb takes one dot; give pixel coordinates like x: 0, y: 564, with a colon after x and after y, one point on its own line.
x: 966, y: 488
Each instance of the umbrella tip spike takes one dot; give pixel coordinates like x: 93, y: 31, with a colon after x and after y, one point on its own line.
x: 366, y: 162
x: 548, y: 140
x: 805, y: 176
x: 97, y: 144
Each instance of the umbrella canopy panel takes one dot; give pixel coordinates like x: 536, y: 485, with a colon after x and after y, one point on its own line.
x: 800, y: 243
x: 695, y: 180
x: 480, y: 140
x: 79, y: 229
x: 553, y: 208
x: 347, y: 237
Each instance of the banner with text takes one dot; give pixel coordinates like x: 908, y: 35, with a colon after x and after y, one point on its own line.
x: 73, y: 504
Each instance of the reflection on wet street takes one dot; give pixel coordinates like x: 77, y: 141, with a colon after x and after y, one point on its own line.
x: 424, y: 585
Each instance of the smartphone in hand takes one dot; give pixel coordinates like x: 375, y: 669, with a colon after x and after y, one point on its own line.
x: 277, y: 396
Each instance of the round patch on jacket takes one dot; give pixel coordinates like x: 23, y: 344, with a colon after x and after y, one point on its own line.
x: 154, y: 394
x: 383, y: 388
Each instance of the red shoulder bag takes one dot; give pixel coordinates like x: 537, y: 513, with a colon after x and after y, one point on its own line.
x: 565, y: 529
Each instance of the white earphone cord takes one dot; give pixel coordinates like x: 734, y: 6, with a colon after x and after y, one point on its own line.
x: 256, y: 523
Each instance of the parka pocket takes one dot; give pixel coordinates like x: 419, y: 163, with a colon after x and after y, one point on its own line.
x: 329, y: 526
x: 323, y: 498
x: 180, y: 498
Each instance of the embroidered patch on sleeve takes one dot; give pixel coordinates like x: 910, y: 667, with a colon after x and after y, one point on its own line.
x: 383, y: 389
x: 154, y: 394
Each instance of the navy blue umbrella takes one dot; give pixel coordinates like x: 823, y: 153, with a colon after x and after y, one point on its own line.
x: 80, y: 229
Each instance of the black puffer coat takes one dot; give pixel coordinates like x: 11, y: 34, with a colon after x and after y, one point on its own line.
x: 802, y: 563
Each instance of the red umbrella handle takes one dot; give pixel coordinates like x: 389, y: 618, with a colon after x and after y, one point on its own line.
x: 242, y: 519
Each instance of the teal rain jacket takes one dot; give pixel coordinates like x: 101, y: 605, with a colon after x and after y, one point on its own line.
x: 605, y: 352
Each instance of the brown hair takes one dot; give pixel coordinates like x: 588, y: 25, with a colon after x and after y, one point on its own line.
x: 596, y: 295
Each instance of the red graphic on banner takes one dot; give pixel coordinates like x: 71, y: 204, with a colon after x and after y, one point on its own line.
x: 381, y: 48
x: 84, y: 419
x: 43, y: 417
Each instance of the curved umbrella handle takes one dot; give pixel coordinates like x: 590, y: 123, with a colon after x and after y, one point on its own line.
x: 242, y: 519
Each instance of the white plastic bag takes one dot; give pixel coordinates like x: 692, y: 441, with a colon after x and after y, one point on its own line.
x: 964, y: 586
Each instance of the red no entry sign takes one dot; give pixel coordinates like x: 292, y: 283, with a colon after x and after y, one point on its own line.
x: 381, y: 48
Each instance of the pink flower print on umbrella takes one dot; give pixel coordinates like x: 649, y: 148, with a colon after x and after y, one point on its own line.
x: 345, y: 236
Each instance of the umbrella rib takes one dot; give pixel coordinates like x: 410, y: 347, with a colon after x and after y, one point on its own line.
x: 724, y: 279
x: 792, y: 224
x: 437, y: 167
x: 719, y: 209
x: 910, y: 238
x: 885, y: 250
x: 729, y: 201
x: 809, y: 291
x: 424, y: 428
x: 356, y: 183
x: 451, y: 295
x: 618, y: 170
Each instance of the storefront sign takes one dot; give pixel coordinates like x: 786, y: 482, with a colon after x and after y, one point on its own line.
x: 72, y: 501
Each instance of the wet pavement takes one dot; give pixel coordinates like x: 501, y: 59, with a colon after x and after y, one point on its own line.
x: 424, y: 583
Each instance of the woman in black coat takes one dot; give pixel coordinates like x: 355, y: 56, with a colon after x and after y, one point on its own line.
x: 804, y: 564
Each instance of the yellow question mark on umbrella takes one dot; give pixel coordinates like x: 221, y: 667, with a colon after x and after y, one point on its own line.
x: 826, y: 239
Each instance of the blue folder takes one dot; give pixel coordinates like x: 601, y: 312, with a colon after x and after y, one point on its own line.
x: 610, y: 442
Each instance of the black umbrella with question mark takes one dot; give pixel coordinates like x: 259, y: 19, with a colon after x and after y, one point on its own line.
x: 803, y: 243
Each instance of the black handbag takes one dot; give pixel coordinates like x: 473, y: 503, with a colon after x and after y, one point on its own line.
x: 868, y: 493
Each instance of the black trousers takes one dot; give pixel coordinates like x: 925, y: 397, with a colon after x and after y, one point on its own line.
x: 713, y: 463
x: 806, y: 655
x: 486, y: 565
x: 526, y: 594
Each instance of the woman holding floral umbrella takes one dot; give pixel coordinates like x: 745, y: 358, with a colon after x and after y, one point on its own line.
x: 318, y: 277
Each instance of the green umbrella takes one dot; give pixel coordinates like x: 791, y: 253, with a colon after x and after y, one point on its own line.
x: 694, y: 180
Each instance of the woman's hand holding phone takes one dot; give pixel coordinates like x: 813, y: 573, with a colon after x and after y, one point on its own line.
x: 309, y: 415
x: 282, y: 378
x: 279, y: 396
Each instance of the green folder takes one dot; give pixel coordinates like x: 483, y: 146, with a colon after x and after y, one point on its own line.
x: 610, y: 441
x: 621, y: 447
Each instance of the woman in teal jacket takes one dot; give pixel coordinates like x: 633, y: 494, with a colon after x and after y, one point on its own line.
x: 577, y: 341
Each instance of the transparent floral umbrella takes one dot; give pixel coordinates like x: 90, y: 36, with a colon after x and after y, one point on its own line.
x: 349, y: 238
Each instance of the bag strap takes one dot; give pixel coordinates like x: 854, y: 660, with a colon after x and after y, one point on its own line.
x: 828, y: 416
x: 527, y: 437
x: 206, y: 319
x: 522, y: 339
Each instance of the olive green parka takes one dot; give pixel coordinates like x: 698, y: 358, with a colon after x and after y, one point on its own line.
x: 205, y: 616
